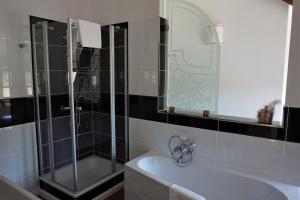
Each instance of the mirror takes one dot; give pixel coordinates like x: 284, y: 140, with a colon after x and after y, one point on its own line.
x: 227, y: 60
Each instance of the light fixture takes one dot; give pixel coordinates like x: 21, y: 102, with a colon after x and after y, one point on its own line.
x: 217, y: 38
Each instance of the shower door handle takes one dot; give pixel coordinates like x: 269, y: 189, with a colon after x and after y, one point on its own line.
x: 79, y: 108
x: 65, y: 108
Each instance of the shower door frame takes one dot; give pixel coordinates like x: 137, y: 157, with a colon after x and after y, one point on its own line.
x: 44, y: 26
x: 72, y: 26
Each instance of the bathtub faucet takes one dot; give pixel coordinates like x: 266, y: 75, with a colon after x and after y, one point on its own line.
x: 182, y: 153
x: 185, y: 147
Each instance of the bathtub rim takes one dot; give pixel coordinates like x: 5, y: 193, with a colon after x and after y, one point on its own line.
x: 18, y: 189
x: 133, y: 165
x: 291, y: 192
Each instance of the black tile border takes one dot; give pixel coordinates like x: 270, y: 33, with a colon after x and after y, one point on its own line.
x: 147, y: 108
x: 56, y: 192
x: 90, y: 194
x: 190, y: 121
x: 102, y: 188
x: 16, y: 111
x: 292, y: 124
x: 255, y: 130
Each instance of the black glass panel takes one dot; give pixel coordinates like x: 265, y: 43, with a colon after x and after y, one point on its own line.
x: 16, y: 111
x: 293, y: 125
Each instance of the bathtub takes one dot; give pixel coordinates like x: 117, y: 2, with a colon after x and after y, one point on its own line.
x: 9, y: 191
x: 150, y: 176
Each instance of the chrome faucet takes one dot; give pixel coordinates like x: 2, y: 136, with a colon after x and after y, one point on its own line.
x: 182, y: 153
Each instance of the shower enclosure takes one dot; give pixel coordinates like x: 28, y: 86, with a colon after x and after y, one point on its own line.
x: 81, y: 108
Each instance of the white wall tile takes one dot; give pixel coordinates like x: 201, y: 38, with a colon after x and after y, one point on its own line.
x: 19, y: 83
x: 22, y: 85
x: 14, y: 57
x: 252, y: 155
x: 137, y: 148
x: 147, y: 135
x: 3, y: 53
x: 29, y: 181
x: 143, y: 82
x: 148, y: 132
x: 18, y: 58
x: 143, y: 57
x: 17, y: 138
x: 18, y: 154
x: 3, y: 21
x: 19, y: 164
x: 292, y: 163
x: 144, y: 32
x: 18, y: 27
x: 147, y: 188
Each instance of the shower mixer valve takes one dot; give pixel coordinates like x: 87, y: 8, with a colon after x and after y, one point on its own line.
x: 182, y: 152
x: 64, y: 108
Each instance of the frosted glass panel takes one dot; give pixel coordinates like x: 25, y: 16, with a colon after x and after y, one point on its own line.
x: 193, y: 59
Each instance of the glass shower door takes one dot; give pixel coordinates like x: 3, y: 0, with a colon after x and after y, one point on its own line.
x: 96, y: 98
x: 80, y: 96
x: 52, y: 101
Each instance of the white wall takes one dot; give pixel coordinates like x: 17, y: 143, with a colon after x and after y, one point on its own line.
x: 253, y: 54
x: 54, y: 9
x: 115, y: 11
x: 293, y: 91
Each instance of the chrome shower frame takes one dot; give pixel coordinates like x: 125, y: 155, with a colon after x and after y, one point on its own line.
x: 72, y: 27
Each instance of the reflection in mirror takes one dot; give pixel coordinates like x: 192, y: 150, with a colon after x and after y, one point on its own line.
x: 28, y: 83
x: 227, y: 60
x: 5, y: 85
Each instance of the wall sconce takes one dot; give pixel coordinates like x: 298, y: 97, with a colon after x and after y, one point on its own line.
x: 219, y: 29
x: 220, y: 32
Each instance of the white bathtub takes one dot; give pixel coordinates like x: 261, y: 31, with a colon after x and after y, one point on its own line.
x: 150, y: 176
x: 9, y: 191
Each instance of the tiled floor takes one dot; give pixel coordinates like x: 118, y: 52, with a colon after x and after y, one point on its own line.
x: 119, y: 195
